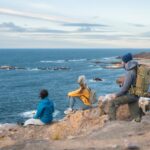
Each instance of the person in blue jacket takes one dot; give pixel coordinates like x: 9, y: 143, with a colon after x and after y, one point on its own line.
x: 45, y: 109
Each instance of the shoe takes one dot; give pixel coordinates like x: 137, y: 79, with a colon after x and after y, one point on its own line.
x: 138, y: 119
x: 20, y: 123
x: 68, y: 111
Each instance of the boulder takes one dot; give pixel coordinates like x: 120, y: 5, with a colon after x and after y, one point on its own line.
x: 97, y: 79
x: 122, y: 112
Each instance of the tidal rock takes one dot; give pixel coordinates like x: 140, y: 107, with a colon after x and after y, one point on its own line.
x: 116, y: 63
x: 97, y: 79
x: 53, y: 68
x: 60, y: 68
x: 97, y: 62
x: 114, y: 66
x: 7, y: 67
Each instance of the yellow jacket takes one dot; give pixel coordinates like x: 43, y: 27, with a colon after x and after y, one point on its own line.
x: 83, y: 94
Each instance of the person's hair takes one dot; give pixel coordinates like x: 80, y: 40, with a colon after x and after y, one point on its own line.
x: 43, y: 93
x: 82, y: 81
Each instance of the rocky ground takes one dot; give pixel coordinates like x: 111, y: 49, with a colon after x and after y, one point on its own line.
x: 90, y: 130
x: 85, y: 130
x: 117, y: 135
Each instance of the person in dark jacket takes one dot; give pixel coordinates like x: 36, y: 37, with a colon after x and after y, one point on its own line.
x: 123, y: 96
x: 45, y: 109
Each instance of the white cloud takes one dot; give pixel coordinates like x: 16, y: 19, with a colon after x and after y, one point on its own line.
x: 57, y: 19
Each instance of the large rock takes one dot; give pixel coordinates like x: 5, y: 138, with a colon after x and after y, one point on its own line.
x: 122, y: 112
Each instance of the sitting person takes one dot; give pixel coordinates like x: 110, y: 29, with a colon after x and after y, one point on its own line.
x: 124, y: 96
x: 44, y: 114
x: 83, y: 94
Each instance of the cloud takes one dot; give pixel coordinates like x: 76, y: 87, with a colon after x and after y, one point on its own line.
x: 138, y: 25
x: 108, y: 36
x: 145, y: 34
x: 84, y: 29
x: 9, y: 26
x: 84, y: 25
x: 12, y: 27
x: 44, y: 30
x: 57, y: 19
x: 93, y: 30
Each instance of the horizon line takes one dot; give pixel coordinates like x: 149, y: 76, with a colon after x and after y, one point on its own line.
x: 74, y: 48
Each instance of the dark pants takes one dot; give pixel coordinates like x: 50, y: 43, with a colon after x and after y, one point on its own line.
x: 132, y: 102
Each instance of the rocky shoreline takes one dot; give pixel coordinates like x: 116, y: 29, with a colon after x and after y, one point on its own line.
x: 38, y: 68
x: 86, y: 130
x: 142, y: 58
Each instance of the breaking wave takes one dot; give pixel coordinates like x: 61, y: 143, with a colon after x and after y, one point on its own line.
x: 30, y: 114
x: 52, y: 61
x: 63, y: 61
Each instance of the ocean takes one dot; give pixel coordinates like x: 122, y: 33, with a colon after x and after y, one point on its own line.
x: 57, y: 71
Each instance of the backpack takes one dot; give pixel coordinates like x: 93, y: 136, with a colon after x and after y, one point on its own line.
x: 93, y: 98
x: 142, y: 86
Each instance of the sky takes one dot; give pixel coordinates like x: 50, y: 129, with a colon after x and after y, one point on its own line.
x: 74, y: 23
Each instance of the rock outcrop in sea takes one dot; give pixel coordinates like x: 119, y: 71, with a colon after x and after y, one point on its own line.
x: 38, y: 68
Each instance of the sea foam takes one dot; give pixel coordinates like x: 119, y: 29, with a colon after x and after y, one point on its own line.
x: 30, y: 114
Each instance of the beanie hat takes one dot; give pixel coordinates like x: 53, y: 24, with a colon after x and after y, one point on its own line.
x: 127, y: 57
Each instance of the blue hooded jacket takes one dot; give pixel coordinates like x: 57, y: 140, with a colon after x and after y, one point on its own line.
x: 45, y: 111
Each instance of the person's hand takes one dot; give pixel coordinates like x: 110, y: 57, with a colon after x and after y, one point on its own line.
x: 100, y: 98
x: 113, y: 96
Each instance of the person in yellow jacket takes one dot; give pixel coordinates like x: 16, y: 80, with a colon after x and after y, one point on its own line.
x: 82, y: 94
